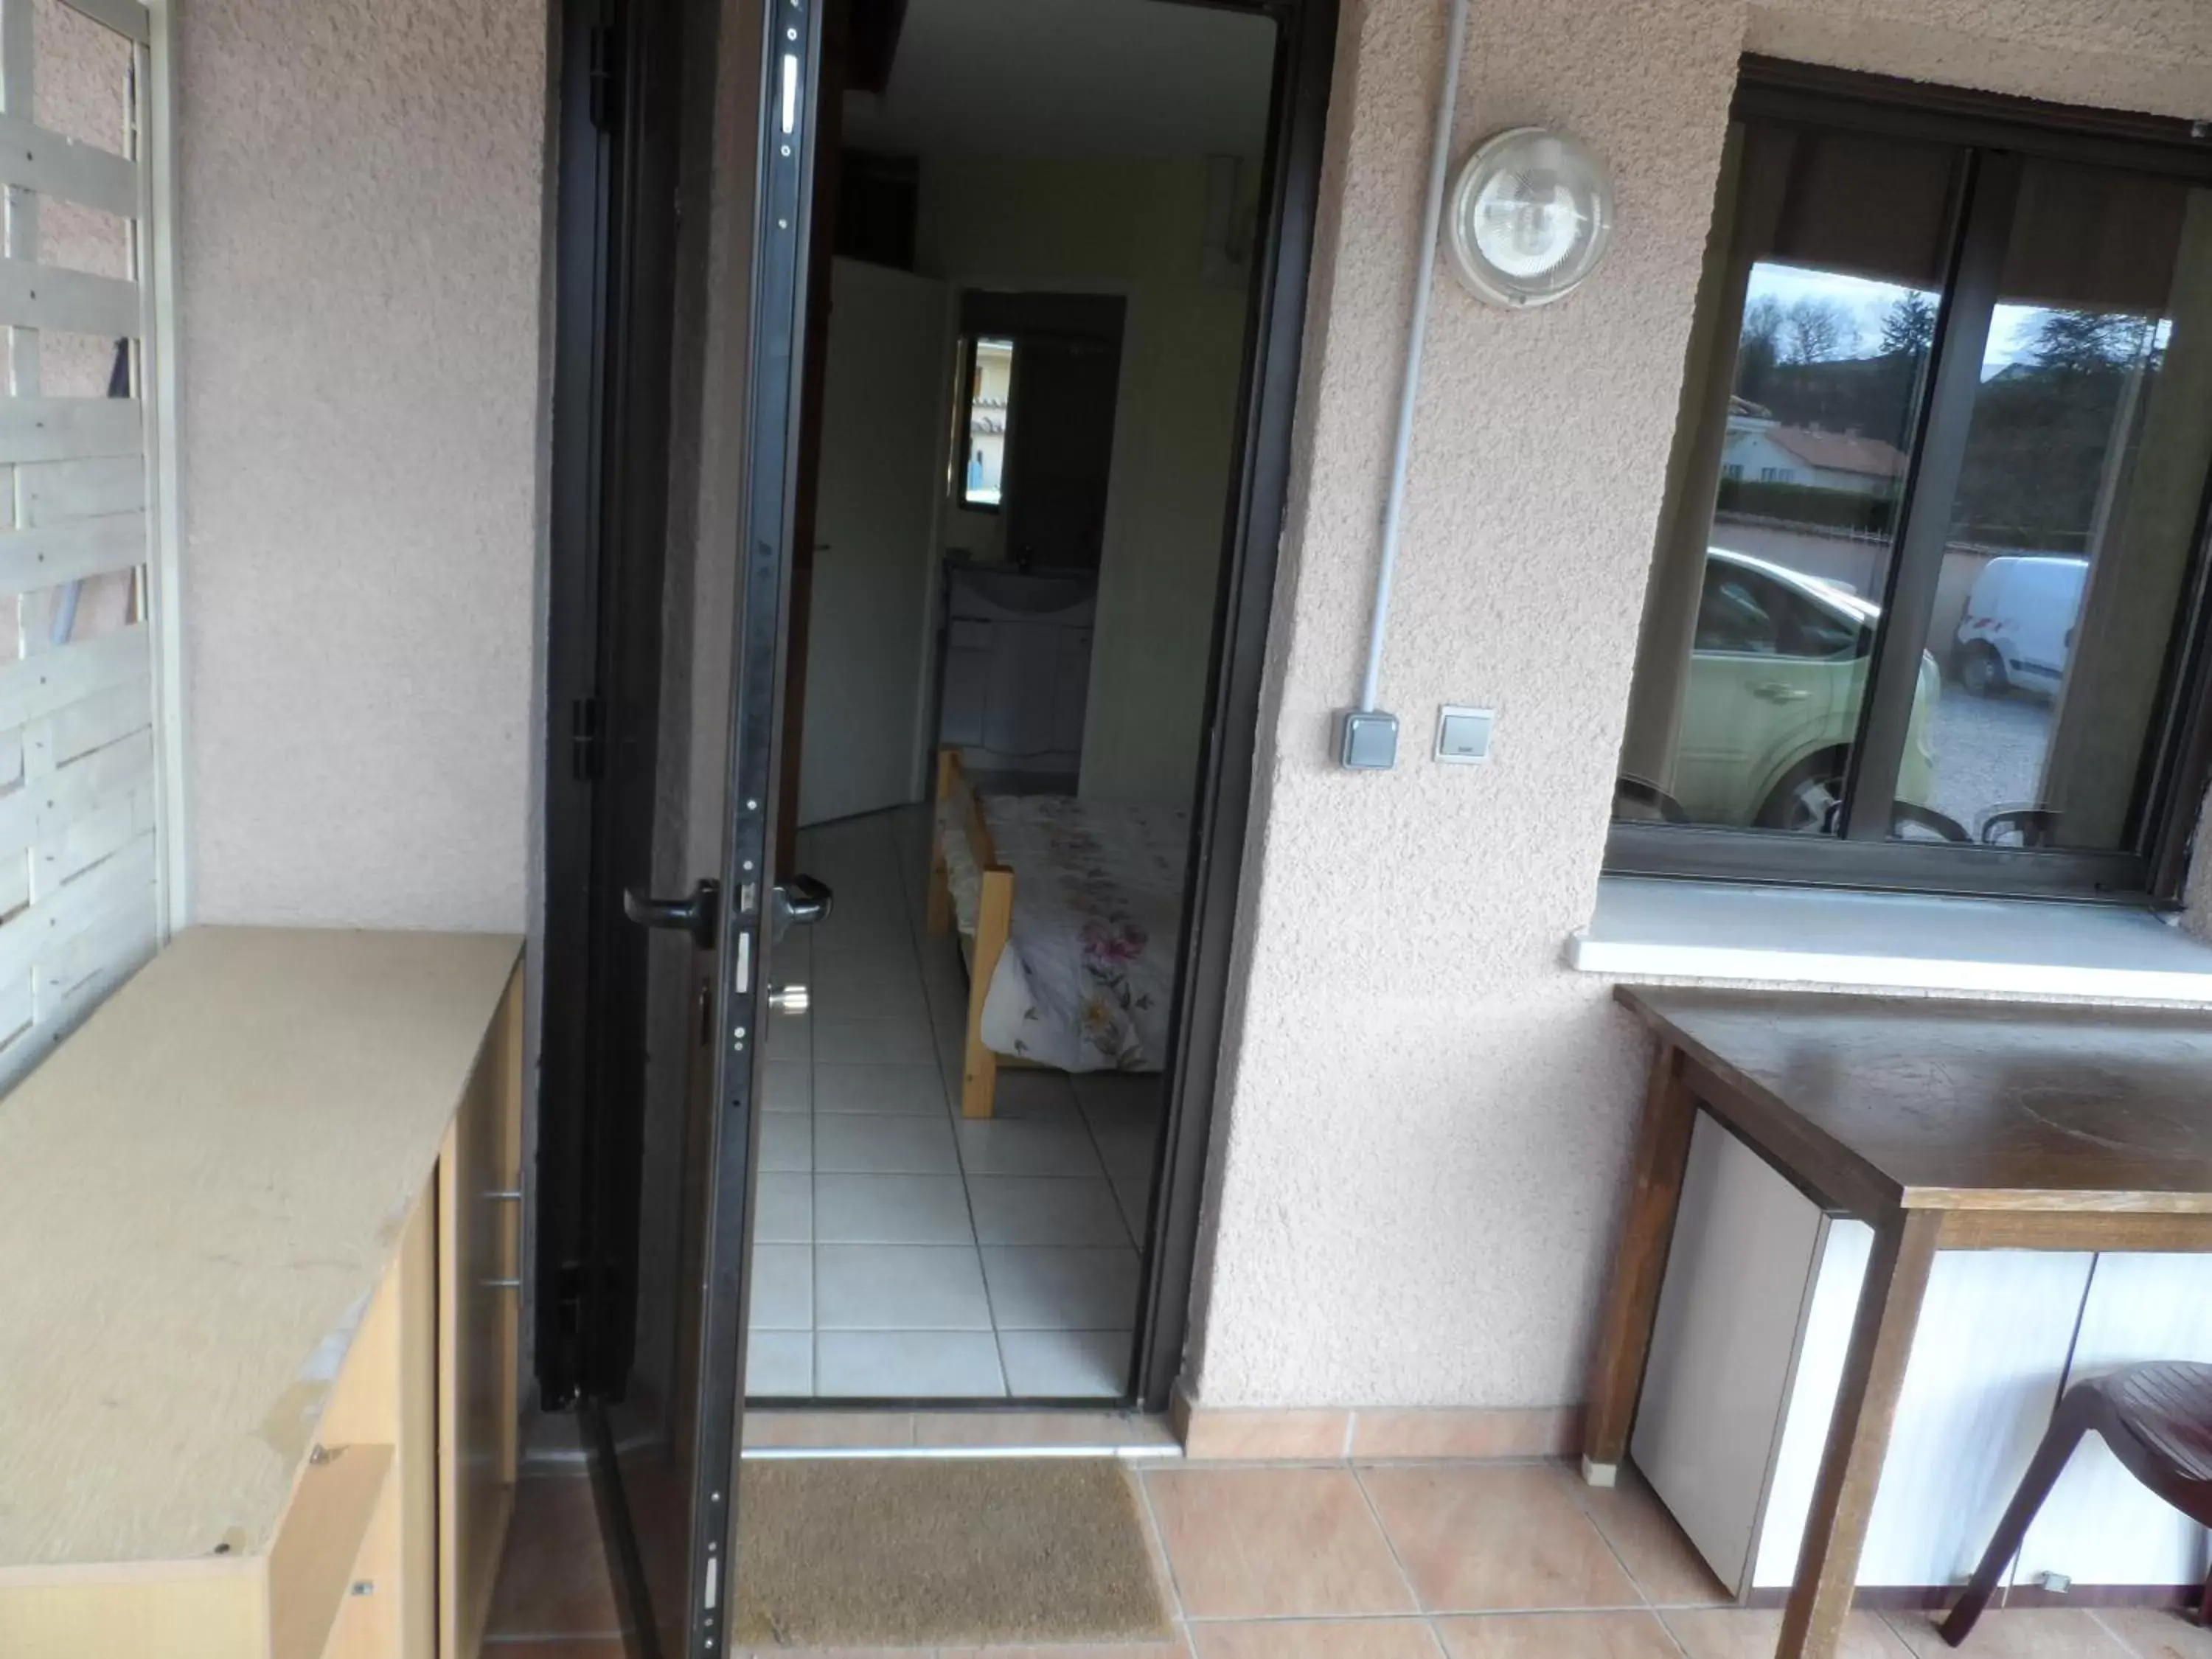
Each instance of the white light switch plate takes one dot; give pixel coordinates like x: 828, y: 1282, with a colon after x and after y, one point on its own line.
x: 1463, y: 734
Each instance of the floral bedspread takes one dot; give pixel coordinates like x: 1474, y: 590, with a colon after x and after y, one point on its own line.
x: 1089, y: 980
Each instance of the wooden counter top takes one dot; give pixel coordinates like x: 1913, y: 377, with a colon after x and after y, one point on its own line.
x: 1951, y: 1105
x: 199, y: 1192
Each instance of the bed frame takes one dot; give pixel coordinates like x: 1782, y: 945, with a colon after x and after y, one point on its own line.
x: 994, y: 920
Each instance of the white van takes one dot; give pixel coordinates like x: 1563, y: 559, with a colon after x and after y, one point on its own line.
x: 2019, y: 625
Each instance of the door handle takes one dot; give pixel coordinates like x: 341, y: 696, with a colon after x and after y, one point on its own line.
x: 800, y: 901
x: 698, y: 915
x: 1780, y: 691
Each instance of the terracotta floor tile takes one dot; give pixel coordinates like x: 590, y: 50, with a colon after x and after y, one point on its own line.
x: 1557, y: 1635
x: 1478, y: 1537
x: 1352, y: 1639
x: 1665, y: 1565
x: 553, y: 1579
x: 1177, y: 1649
x: 1750, y: 1633
x: 2063, y: 1633
x: 1273, y: 1543
x: 2157, y: 1633
x: 1227, y: 1435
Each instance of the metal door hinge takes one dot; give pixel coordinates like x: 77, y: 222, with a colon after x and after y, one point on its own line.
x: 586, y: 744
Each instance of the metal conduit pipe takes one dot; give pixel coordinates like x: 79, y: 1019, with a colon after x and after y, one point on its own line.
x: 1364, y: 729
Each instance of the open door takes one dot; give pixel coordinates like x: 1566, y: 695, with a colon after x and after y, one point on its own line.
x: 656, y: 992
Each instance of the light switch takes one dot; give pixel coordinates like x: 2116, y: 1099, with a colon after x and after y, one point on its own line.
x: 1463, y: 734
x: 1369, y: 741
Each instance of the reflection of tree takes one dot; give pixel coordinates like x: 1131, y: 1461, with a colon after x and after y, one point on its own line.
x: 2043, y: 424
x: 2043, y: 427
x: 1908, y: 329
x: 1817, y: 332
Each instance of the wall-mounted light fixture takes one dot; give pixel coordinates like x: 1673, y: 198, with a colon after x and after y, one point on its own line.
x: 1530, y: 216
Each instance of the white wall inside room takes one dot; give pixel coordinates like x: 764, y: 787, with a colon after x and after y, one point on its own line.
x: 884, y: 398
x: 1423, y: 1126
x: 359, y: 242
x: 1135, y: 228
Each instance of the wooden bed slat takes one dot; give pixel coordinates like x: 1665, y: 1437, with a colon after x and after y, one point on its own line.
x: 994, y: 920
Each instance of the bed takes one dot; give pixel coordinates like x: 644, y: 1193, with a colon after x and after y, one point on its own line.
x: 1069, y: 912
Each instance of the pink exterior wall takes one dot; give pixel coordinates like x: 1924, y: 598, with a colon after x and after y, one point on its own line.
x: 359, y: 236
x: 1423, y: 1136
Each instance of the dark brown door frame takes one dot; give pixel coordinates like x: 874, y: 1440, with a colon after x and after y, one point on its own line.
x: 1221, y: 801
x: 1253, y: 528
x: 1222, y: 795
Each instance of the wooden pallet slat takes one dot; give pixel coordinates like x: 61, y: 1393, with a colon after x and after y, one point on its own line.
x: 32, y: 158
x: 52, y: 680
x: 51, y: 492
x: 42, y: 809
x: 102, y: 718
x: 33, y: 295
x: 69, y: 551
x: 123, y: 883
x: 70, y: 428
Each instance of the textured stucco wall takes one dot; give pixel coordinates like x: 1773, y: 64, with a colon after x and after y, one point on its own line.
x: 1425, y: 1121
x: 359, y: 241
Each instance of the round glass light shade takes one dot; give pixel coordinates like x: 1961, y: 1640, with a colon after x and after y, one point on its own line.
x: 1530, y: 216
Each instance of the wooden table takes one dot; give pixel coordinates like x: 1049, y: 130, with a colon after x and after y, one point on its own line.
x: 1946, y: 1125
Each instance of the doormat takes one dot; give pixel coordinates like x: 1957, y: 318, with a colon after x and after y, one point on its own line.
x: 913, y: 1551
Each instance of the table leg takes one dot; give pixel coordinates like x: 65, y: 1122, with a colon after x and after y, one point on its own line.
x: 1662, y: 1150
x: 1858, y: 1435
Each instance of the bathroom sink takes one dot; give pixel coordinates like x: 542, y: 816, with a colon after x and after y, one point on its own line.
x: 1017, y: 593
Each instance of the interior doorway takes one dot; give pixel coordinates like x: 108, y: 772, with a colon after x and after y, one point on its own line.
x: 677, y: 926
x: 1043, y: 249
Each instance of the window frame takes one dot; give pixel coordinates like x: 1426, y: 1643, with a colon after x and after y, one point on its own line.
x: 1997, y: 136
x: 971, y: 344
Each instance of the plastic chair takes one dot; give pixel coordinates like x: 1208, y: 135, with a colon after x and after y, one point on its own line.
x: 2157, y: 1419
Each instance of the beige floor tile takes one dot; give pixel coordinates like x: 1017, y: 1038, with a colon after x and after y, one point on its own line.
x: 1665, y: 1565
x: 1351, y: 1638
x: 842, y: 1430
x: 1557, y: 1635
x: 553, y: 1578
x: 2063, y: 1633
x: 2157, y: 1633
x: 609, y: 1647
x: 1273, y: 1543
x: 1750, y: 1633
x: 1478, y: 1537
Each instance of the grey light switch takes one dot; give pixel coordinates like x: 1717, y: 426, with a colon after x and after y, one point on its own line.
x: 1463, y: 734
x: 1369, y: 741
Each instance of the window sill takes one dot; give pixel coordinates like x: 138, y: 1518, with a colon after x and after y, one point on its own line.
x: 1645, y: 927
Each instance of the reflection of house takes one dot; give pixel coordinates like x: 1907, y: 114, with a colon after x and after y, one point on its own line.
x: 1760, y: 449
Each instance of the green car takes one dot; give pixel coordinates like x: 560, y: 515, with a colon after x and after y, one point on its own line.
x: 1777, y: 675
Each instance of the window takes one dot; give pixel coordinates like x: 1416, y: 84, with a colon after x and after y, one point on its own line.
x: 981, y: 462
x: 1927, y: 608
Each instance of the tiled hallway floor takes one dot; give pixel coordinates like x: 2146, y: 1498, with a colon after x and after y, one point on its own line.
x: 1431, y: 1560
x: 900, y: 1251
